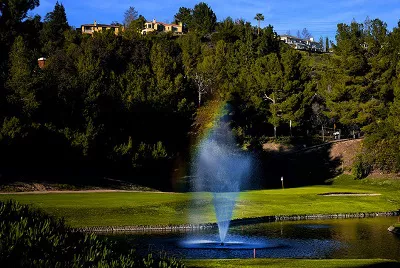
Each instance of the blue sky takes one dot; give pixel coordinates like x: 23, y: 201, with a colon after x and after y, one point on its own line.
x: 320, y: 17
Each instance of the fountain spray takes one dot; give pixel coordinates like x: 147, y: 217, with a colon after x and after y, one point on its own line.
x: 221, y: 169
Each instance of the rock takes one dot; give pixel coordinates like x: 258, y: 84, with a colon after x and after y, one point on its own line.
x: 394, y: 230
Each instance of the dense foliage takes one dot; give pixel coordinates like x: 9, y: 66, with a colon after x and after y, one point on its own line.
x: 126, y: 105
x: 30, y: 238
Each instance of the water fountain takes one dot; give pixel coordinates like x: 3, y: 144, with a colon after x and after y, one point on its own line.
x: 221, y: 168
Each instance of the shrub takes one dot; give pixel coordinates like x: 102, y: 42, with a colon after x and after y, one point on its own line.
x: 361, y: 168
x: 30, y: 238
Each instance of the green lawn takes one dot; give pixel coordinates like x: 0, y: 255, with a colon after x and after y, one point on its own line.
x: 299, y: 263
x: 151, y: 208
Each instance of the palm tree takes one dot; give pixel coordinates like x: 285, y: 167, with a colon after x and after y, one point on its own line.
x: 259, y: 17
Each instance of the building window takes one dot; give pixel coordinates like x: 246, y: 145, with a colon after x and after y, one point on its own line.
x: 104, y: 28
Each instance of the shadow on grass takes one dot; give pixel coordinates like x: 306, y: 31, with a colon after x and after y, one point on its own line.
x: 298, y: 167
x: 58, y: 162
x: 306, y: 167
x: 383, y: 265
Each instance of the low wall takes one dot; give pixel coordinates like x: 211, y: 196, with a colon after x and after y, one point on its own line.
x: 147, y: 228
x: 235, y: 222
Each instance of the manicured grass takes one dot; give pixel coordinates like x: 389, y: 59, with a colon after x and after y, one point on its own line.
x: 105, y: 209
x: 149, y: 208
x: 299, y: 263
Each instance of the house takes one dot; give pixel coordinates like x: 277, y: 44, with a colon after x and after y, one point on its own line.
x: 96, y: 27
x: 156, y: 26
x: 302, y: 44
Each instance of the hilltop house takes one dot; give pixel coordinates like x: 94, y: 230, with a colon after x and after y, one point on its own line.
x: 96, y: 27
x: 156, y: 26
x: 302, y: 44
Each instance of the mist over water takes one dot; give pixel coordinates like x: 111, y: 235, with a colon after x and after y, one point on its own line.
x: 221, y: 168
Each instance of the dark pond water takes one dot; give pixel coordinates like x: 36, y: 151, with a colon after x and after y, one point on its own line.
x: 346, y: 238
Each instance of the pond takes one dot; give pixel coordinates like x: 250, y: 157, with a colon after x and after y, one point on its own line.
x: 331, y: 239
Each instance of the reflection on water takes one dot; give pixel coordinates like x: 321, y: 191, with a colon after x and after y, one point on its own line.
x: 344, y: 238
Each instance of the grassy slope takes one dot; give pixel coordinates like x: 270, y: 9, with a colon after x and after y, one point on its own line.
x: 290, y: 263
x: 100, y: 209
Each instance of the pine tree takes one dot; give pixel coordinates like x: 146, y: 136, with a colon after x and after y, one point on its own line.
x: 52, y: 34
x: 21, y: 82
x: 13, y: 16
x: 184, y: 16
x: 204, y: 19
x: 326, y: 44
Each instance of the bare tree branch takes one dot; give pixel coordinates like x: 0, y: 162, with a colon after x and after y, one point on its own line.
x: 265, y: 97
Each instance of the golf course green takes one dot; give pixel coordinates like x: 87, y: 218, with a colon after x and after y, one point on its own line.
x: 341, y: 195
x: 156, y: 208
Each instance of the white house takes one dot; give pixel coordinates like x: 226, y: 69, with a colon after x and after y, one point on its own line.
x: 302, y: 44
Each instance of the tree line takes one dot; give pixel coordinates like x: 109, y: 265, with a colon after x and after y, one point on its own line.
x: 129, y: 105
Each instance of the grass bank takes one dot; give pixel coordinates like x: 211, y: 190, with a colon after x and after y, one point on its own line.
x: 149, y: 208
x: 299, y: 263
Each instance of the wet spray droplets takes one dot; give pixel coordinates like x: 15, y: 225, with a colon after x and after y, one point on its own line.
x: 221, y: 168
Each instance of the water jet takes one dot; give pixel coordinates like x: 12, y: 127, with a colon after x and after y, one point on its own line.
x: 221, y: 168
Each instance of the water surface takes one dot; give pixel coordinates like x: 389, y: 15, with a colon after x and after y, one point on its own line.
x: 331, y: 239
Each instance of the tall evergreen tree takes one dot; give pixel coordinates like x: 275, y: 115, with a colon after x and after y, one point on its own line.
x: 184, y: 16
x: 269, y: 76
x: 52, y: 34
x: 204, y: 19
x: 321, y: 41
x: 326, y: 44
x: 21, y: 83
x: 12, y: 19
x: 268, y: 42
x: 305, y: 34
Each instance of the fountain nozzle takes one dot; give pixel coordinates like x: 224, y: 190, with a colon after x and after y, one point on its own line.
x: 222, y: 244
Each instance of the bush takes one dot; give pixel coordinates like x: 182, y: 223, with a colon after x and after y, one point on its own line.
x: 30, y: 238
x: 382, y: 143
x: 361, y: 168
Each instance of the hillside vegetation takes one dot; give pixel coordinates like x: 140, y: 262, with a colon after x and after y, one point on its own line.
x: 132, y: 106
